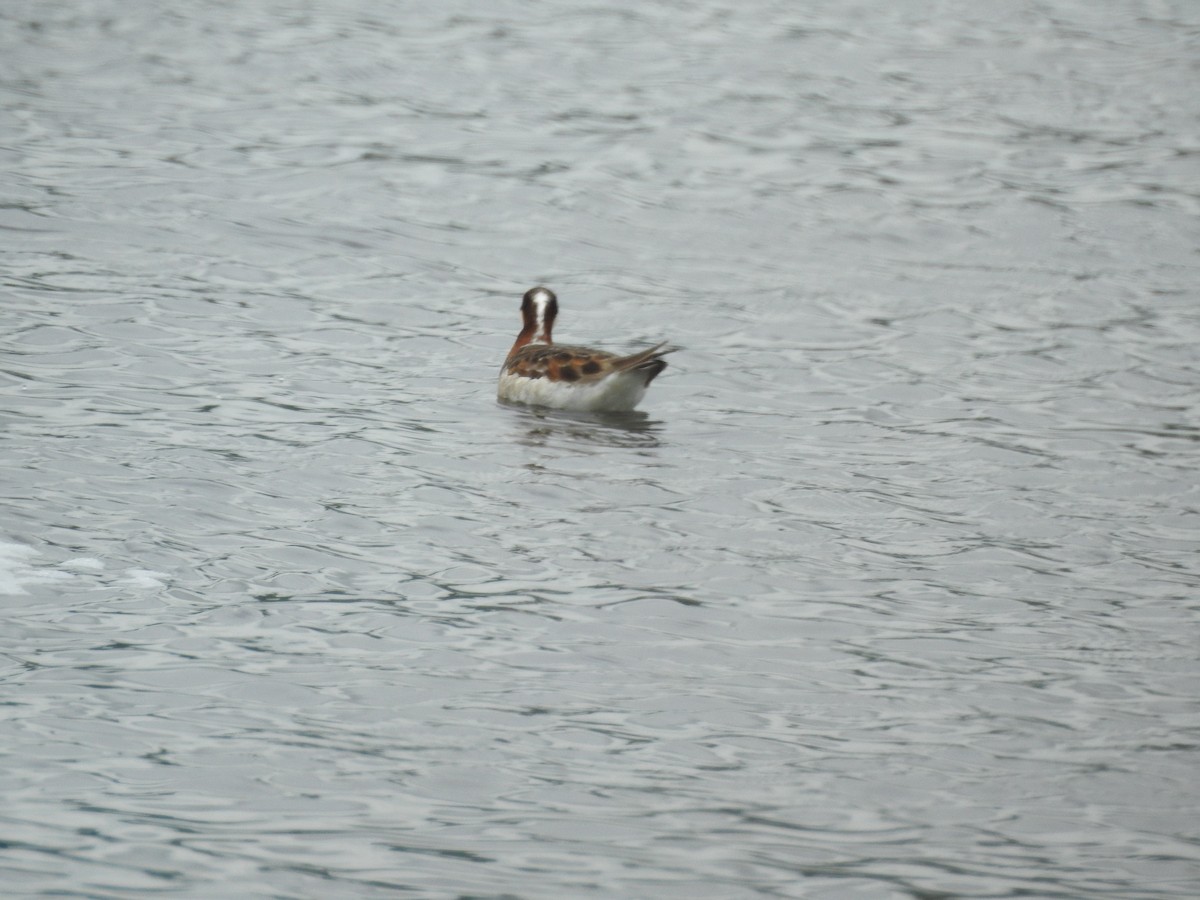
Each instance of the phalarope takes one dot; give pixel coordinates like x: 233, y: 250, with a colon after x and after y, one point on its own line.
x: 540, y: 372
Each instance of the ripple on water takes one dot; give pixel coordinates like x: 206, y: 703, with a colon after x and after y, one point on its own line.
x: 888, y: 591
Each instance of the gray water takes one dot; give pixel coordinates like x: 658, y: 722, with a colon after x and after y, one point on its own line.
x: 892, y: 589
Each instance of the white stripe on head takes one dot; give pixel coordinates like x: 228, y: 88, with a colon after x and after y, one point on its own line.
x: 542, y: 315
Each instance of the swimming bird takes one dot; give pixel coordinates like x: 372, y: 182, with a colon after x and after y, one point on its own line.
x: 543, y: 373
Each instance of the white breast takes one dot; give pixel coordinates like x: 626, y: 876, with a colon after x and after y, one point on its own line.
x: 619, y: 392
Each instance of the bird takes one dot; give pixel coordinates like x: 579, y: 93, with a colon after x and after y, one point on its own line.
x: 540, y: 372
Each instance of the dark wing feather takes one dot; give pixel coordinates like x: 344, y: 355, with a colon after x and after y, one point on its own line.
x: 562, y: 362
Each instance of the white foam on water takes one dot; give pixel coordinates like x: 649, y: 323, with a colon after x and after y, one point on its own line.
x: 16, y: 571
x: 145, y: 578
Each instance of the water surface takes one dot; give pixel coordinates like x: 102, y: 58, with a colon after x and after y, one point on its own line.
x: 891, y: 590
